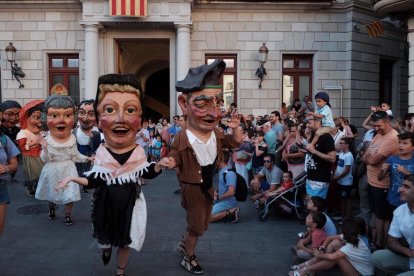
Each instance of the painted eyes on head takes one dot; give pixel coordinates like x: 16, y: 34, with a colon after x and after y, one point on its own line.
x: 203, y: 104
x: 200, y: 104
x: 109, y: 109
x: 131, y: 110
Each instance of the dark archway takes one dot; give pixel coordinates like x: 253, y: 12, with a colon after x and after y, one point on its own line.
x: 157, y: 95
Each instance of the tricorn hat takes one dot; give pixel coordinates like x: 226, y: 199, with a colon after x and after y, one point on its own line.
x: 204, y: 76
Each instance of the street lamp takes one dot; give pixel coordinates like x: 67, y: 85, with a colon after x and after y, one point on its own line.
x: 16, y: 71
x: 261, y: 71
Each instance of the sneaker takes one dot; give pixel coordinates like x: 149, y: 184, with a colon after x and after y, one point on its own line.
x: 236, y: 215
x: 187, y: 264
x: 52, y: 214
x: 68, y: 221
x: 181, y: 248
x: 84, y: 190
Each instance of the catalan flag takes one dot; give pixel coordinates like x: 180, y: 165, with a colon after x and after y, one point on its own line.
x: 128, y: 7
x: 375, y: 29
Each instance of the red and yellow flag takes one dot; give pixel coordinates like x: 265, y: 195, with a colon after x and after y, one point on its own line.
x: 375, y: 29
x: 128, y: 8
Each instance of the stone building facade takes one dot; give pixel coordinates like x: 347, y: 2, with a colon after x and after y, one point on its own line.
x: 313, y: 45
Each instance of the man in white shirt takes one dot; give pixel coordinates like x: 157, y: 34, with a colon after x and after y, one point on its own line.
x: 398, y: 259
x: 197, y: 149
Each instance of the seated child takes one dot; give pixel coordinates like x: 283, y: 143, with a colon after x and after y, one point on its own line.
x: 309, y: 244
x: 353, y: 258
x: 316, y: 203
x: 323, y: 112
x: 287, y: 183
x: 383, y: 107
x: 387, y: 108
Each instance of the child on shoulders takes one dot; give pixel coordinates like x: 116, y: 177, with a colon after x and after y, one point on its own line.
x: 323, y: 112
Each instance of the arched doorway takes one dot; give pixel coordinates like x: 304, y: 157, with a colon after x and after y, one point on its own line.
x: 157, y: 97
x: 148, y: 59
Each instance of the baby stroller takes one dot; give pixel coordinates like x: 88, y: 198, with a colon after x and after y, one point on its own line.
x: 292, y: 198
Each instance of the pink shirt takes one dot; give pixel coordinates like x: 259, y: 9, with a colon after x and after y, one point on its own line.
x: 317, y: 237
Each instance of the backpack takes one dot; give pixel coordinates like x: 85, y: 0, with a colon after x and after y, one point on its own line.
x: 3, y: 141
x: 241, y: 186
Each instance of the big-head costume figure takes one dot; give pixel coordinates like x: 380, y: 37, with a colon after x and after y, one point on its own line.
x: 119, y: 213
x: 197, y: 149
x: 28, y: 140
x: 59, y: 153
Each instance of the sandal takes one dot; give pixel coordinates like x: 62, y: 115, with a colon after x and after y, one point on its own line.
x: 181, y: 247
x: 106, y: 255
x: 187, y: 264
x: 121, y: 268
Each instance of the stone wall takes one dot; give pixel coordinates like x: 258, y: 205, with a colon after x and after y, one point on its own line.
x: 35, y: 34
x: 343, y: 56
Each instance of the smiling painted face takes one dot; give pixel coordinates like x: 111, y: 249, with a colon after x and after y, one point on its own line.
x: 202, y: 109
x: 34, y: 122
x: 11, y: 117
x: 60, y: 122
x: 120, y: 120
x: 86, y: 116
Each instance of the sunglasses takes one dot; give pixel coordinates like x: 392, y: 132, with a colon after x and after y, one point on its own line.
x: 267, y: 161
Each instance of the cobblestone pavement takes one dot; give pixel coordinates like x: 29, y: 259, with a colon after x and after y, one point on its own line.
x: 34, y: 245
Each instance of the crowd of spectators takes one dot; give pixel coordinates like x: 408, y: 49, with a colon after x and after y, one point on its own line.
x: 343, y: 166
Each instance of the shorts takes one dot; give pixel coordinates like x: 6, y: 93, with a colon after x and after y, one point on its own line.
x: 198, y: 208
x: 4, y: 192
x: 222, y: 206
x: 378, y: 202
x: 264, y: 186
x: 345, y: 191
x: 323, y: 130
x: 317, y: 188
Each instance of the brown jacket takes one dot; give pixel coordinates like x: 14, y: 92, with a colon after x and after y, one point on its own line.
x: 189, y: 170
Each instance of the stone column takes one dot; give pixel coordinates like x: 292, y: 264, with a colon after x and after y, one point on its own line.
x: 410, y: 39
x: 91, y: 59
x: 183, y: 50
x: 183, y: 57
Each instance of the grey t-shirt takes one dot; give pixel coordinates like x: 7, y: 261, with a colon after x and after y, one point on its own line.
x: 273, y: 176
x: 7, y: 151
